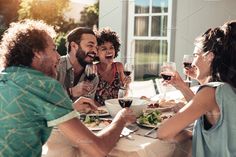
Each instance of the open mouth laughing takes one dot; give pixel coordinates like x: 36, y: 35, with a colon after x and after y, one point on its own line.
x: 109, y: 56
x: 91, y: 55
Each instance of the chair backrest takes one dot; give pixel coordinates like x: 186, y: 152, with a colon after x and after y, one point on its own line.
x: 143, y: 88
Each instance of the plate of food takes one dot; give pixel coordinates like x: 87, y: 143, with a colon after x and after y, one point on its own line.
x: 165, y: 105
x: 95, y: 123
x: 101, y: 111
x: 153, y: 118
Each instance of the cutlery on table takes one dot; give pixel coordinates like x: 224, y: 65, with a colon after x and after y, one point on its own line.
x: 150, y: 131
x: 126, y: 132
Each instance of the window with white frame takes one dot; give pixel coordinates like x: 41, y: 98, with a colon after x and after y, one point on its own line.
x: 149, y: 35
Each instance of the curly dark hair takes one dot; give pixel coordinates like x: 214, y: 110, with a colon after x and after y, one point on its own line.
x: 221, y: 41
x: 107, y: 35
x: 22, y: 39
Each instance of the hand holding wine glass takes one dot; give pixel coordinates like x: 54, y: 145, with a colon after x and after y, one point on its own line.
x: 187, y: 62
x: 167, y: 70
x: 123, y: 98
x: 90, y: 72
x: 90, y: 75
x: 128, y: 68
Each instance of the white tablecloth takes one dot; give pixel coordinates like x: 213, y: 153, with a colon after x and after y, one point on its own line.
x: 142, y: 147
x: 59, y: 146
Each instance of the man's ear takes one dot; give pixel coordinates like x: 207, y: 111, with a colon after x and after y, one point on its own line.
x: 74, y: 45
x: 36, y: 59
x: 37, y: 54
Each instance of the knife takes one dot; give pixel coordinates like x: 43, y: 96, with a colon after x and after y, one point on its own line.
x: 150, y: 131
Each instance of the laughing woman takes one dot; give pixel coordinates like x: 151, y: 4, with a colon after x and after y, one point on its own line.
x: 213, y: 107
x: 111, y: 73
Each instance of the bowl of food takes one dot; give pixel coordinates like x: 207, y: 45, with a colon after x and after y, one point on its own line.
x: 137, y: 106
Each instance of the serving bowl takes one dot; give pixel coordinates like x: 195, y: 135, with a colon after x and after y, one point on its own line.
x: 137, y: 106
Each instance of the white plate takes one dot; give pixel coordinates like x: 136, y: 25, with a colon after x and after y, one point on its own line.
x: 146, y: 125
x: 98, y: 127
x: 162, y: 108
x: 168, y: 114
x: 100, y: 115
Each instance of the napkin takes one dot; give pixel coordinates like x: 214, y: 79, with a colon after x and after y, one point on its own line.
x: 129, y: 129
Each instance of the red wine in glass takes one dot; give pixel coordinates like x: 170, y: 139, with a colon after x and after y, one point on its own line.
x: 187, y: 65
x: 127, y: 73
x: 90, y: 77
x: 166, y: 77
x: 125, y: 102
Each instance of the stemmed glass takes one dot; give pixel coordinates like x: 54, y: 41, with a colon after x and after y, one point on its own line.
x: 167, y: 70
x: 128, y: 68
x: 123, y: 98
x: 90, y: 75
x: 187, y: 62
x: 90, y: 72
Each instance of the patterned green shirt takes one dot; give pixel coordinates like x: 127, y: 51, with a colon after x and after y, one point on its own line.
x: 30, y: 104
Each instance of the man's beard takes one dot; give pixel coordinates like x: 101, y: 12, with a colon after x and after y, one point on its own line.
x: 81, y: 55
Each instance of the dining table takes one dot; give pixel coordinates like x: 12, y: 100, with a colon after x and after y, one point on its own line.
x: 136, y: 144
x: 140, y: 142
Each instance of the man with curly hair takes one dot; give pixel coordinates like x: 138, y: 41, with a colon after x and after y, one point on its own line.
x: 32, y: 102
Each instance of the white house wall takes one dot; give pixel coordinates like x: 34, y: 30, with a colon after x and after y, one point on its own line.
x: 113, y: 14
x: 192, y: 17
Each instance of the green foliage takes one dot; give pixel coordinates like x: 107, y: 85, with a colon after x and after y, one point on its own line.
x: 50, y: 11
x: 1, y: 32
x: 61, y: 42
x: 89, y: 16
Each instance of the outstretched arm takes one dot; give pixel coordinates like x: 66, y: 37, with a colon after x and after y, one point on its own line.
x: 203, y: 102
x: 179, y: 84
x: 102, y: 143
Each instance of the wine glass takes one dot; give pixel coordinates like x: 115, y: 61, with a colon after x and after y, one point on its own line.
x: 167, y: 70
x: 91, y: 75
x: 128, y: 68
x: 90, y: 72
x: 187, y: 62
x: 123, y: 98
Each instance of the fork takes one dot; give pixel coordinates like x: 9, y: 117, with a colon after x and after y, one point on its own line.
x: 150, y: 131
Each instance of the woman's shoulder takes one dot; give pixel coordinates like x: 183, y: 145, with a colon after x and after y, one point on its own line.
x: 119, y: 66
x: 211, y: 85
x: 226, y: 90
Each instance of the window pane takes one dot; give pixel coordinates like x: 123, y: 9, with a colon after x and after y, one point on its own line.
x: 141, y: 26
x: 141, y: 6
x: 160, y: 6
x: 149, y: 54
x: 159, y: 26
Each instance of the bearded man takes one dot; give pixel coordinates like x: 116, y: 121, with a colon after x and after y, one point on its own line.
x: 82, y: 49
